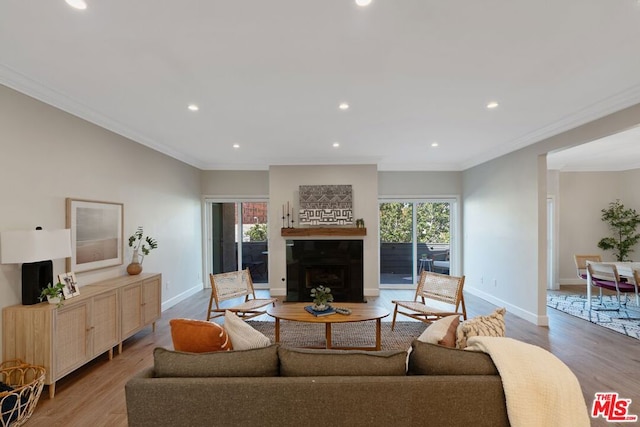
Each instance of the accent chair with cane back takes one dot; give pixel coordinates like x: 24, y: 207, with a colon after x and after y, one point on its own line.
x: 436, y: 287
x: 226, y: 286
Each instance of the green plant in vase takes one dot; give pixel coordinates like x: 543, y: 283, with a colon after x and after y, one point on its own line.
x: 321, y: 297
x: 143, y: 244
x: 53, y: 293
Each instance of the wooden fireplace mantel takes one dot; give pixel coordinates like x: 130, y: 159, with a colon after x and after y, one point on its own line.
x: 323, y: 231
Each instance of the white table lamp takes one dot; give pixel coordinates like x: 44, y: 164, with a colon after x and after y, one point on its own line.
x: 34, y: 249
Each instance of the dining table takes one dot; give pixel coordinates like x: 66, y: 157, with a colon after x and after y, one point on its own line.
x: 625, y: 269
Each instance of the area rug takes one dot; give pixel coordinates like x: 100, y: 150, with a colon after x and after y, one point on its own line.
x: 356, y: 334
x: 625, y: 321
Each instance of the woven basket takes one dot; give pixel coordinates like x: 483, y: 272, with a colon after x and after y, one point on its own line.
x: 17, y: 405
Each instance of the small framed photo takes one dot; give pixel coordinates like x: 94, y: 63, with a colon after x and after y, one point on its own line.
x: 71, y: 288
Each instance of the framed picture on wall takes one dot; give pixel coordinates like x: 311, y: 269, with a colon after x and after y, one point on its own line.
x: 96, y: 234
x: 71, y: 288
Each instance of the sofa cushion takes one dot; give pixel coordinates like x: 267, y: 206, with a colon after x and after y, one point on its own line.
x: 309, y: 362
x: 243, y: 336
x: 198, y: 336
x: 261, y: 362
x: 432, y: 359
x: 492, y: 325
x: 442, y: 331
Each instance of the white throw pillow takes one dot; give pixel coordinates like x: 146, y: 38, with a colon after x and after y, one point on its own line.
x: 243, y: 336
x: 437, y: 331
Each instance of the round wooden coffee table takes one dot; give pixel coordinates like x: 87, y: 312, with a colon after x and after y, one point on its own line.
x: 360, y: 312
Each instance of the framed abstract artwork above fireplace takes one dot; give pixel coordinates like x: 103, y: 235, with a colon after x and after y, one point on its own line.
x: 326, y: 205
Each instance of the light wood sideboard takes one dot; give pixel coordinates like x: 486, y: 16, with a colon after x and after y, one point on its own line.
x: 64, y: 338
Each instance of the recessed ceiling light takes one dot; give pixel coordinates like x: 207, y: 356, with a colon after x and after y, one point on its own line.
x: 336, y: 144
x: 343, y: 106
x: 434, y: 144
x: 492, y: 104
x: 77, y: 4
x: 193, y: 107
x: 236, y: 145
x: 363, y: 2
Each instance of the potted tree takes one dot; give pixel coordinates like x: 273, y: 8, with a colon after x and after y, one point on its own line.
x: 622, y: 223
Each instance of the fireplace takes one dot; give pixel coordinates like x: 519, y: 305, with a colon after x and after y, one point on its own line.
x: 333, y: 263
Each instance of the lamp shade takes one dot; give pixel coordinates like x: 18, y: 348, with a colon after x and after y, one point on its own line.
x: 22, y: 246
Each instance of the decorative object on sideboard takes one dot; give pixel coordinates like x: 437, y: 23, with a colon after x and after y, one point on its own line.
x: 143, y: 244
x: 71, y: 288
x: 321, y: 298
x: 54, y: 294
x: 34, y: 249
x: 622, y: 223
x: 96, y: 234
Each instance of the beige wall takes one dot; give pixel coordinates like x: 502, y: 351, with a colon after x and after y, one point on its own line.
x: 235, y: 183
x: 500, y: 232
x: 422, y: 184
x: 47, y: 155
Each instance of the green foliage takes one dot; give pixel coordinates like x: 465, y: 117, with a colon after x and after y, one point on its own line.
x: 622, y: 223
x: 53, y: 291
x: 432, y: 222
x: 257, y: 233
x: 137, y: 241
x: 321, y: 295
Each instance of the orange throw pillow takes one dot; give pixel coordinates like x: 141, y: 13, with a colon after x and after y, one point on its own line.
x: 198, y: 336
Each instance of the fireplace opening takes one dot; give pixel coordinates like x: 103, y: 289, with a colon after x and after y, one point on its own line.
x: 337, y: 264
x: 330, y: 276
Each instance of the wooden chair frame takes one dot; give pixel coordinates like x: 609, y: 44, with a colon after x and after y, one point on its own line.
x: 235, y: 284
x: 437, y: 287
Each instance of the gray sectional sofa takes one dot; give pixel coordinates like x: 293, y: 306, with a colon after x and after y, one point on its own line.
x: 280, y: 386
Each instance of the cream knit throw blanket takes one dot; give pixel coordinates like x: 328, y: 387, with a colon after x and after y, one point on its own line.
x: 539, y: 388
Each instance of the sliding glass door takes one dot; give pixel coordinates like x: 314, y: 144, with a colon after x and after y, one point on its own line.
x: 415, y: 235
x: 237, y: 238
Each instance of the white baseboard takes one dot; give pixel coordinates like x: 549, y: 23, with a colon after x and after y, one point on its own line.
x: 539, y: 320
x: 181, y: 296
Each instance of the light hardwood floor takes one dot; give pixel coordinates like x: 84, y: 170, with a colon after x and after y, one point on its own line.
x: 94, y: 395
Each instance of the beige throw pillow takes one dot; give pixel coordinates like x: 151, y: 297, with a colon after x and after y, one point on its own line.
x: 492, y: 325
x: 442, y: 331
x: 243, y: 336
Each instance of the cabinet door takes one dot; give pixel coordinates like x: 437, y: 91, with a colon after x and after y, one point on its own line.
x: 151, y: 300
x: 72, y: 337
x: 131, y: 301
x: 104, y: 319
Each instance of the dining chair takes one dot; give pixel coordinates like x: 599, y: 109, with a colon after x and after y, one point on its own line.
x: 605, y: 276
x: 581, y: 263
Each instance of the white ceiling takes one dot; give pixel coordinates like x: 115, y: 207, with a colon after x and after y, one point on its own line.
x: 269, y: 75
